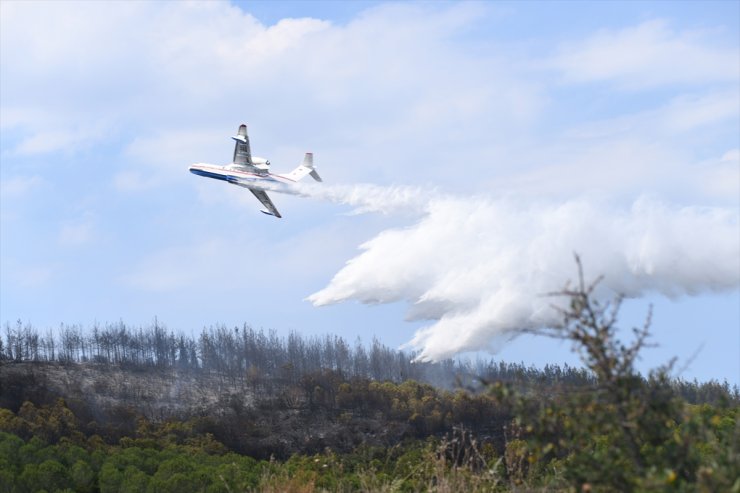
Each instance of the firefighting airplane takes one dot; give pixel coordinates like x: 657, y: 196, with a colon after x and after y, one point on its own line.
x: 253, y: 173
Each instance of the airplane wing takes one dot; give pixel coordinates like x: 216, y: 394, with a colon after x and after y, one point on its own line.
x: 262, y: 197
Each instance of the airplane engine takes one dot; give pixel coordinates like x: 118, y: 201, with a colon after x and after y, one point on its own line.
x: 260, y: 160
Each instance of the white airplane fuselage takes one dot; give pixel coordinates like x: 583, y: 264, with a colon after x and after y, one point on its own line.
x: 239, y: 175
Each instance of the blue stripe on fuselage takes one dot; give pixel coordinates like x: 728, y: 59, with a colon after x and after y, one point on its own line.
x: 208, y: 174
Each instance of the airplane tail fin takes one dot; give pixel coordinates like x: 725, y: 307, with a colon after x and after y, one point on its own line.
x: 306, y: 168
x: 242, y: 152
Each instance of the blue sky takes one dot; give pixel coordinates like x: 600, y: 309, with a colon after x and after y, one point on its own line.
x: 104, y: 105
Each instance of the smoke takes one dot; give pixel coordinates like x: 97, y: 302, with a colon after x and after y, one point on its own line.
x: 479, y: 269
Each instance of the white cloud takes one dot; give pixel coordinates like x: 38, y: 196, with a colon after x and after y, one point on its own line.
x: 393, y: 88
x: 395, y: 72
x: 27, y: 275
x: 690, y: 113
x: 77, y: 232
x: 682, y: 114
x: 176, y: 268
x: 392, y: 97
x: 19, y: 186
x: 132, y: 181
x: 177, y: 146
x: 34, y: 276
x: 722, y: 177
x: 623, y: 165
x: 649, y: 55
x: 244, y: 262
x: 656, y: 150
x: 52, y: 138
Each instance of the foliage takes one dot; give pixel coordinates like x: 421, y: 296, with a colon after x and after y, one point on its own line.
x: 625, y: 433
x: 551, y: 445
x: 239, y: 410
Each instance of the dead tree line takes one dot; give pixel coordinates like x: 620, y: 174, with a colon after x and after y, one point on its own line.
x: 241, y: 351
x: 247, y: 356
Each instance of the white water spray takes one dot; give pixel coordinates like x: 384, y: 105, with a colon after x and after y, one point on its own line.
x: 479, y: 268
